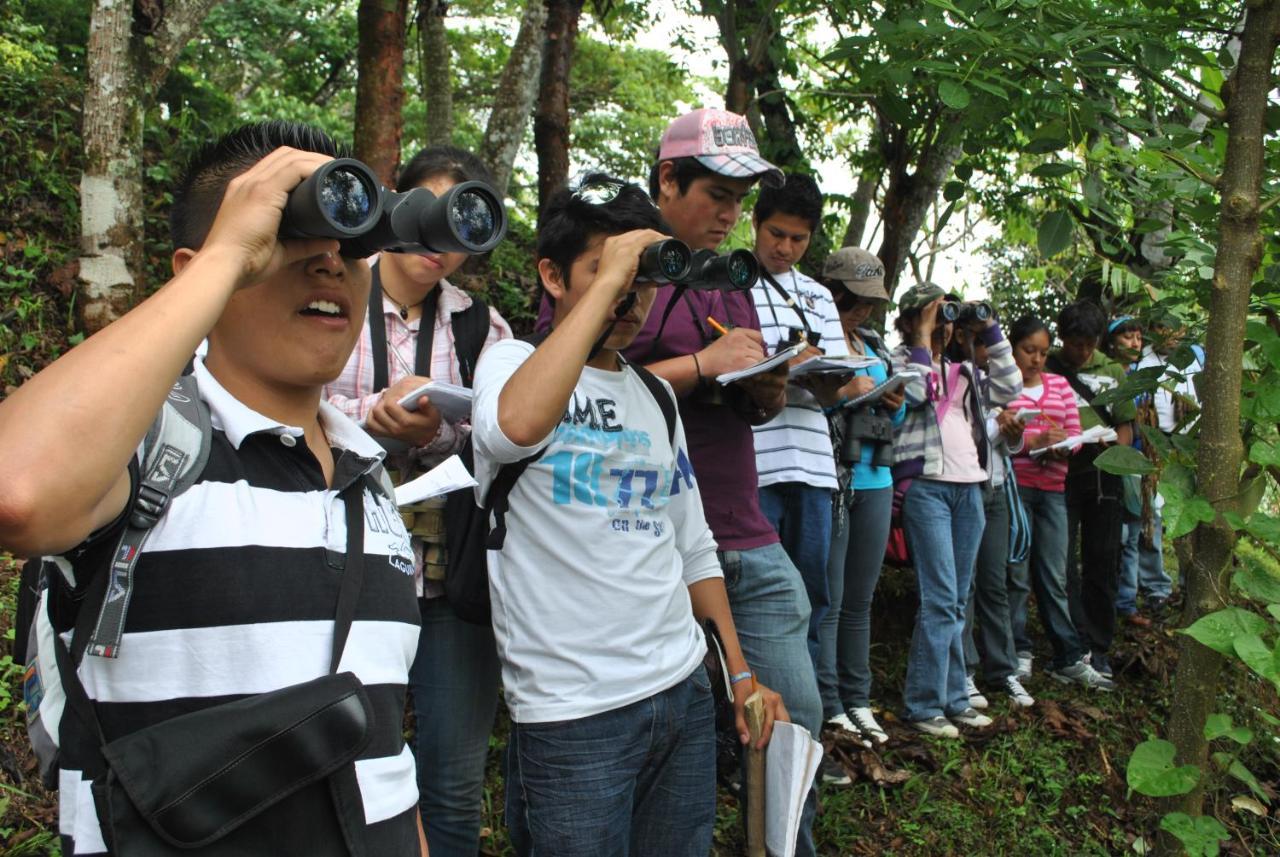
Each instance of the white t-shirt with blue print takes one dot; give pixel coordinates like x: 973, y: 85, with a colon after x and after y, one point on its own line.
x: 605, y: 533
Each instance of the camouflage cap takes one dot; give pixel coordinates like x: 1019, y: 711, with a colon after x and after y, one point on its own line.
x: 858, y: 271
x: 918, y: 296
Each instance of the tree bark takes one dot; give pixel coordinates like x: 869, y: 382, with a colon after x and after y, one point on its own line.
x: 437, y: 71
x: 1221, y: 450
x: 864, y: 197
x: 127, y: 61
x: 380, y: 25
x: 514, y: 99
x: 551, y: 117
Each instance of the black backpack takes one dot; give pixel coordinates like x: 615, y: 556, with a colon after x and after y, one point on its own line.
x: 468, y: 536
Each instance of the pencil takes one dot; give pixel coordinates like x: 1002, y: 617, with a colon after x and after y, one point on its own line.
x: 720, y: 328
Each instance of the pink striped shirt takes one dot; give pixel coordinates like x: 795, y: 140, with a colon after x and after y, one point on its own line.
x: 1057, y: 401
x: 352, y: 392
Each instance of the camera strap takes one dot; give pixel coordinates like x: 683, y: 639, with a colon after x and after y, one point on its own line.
x: 378, y: 333
x: 788, y: 299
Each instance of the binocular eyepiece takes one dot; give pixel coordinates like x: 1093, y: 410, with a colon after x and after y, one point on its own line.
x: 963, y: 313
x: 344, y: 200
x: 671, y: 261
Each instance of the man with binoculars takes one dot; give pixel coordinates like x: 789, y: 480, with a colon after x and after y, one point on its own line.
x: 234, y: 597
x: 706, y: 165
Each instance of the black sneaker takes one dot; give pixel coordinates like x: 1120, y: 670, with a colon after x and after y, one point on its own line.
x: 1101, y: 665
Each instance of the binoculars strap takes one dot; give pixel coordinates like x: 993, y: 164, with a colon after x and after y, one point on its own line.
x: 378, y: 333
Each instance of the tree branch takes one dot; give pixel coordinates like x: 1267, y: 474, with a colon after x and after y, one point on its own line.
x: 1214, y: 182
x: 1195, y: 104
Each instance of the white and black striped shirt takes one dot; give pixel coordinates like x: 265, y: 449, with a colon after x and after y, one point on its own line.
x: 234, y: 595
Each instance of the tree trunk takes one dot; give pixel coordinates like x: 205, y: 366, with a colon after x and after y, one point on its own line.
x: 380, y: 25
x: 551, y: 118
x: 437, y: 71
x: 127, y: 60
x: 514, y: 99
x: 1221, y: 450
x: 864, y: 197
x: 908, y: 197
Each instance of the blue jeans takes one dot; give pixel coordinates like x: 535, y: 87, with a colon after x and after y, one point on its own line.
x: 801, y: 515
x: 1141, y: 568
x: 638, y: 780
x: 1047, y: 518
x: 857, y: 554
x: 454, y: 682
x: 989, y: 597
x: 943, y: 524
x: 771, y: 615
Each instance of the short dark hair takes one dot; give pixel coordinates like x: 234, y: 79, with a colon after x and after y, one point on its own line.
x: 686, y: 170
x: 458, y: 164
x: 1082, y: 318
x: 1027, y: 325
x: 567, y: 223
x: 799, y: 196
x: 1122, y: 324
x: 214, y: 166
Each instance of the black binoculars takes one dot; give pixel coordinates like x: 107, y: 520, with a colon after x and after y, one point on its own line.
x: 671, y: 261
x: 963, y: 313
x: 344, y: 200
x: 863, y: 426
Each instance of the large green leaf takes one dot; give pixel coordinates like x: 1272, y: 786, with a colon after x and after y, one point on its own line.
x: 1199, y: 835
x: 1219, y: 629
x: 1220, y: 726
x: 1244, y: 775
x: 1124, y: 461
x: 1151, y: 771
x: 1054, y: 234
x: 1258, y: 584
x: 953, y: 94
x: 1053, y: 170
x: 1260, y: 658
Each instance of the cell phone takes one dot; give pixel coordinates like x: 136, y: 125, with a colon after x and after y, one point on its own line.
x: 1026, y: 415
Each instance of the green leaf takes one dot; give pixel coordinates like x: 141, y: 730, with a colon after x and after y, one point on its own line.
x: 1258, y: 584
x: 1053, y: 170
x: 1199, y: 835
x: 1244, y: 775
x: 1151, y: 771
x: 1265, y: 453
x: 953, y: 94
x: 965, y: 171
x: 1124, y: 461
x: 1220, y: 726
x: 1219, y: 629
x: 1258, y: 656
x: 953, y: 191
x: 1157, y: 56
x: 1054, y: 234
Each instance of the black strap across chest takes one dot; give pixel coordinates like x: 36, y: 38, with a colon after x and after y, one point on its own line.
x: 378, y: 333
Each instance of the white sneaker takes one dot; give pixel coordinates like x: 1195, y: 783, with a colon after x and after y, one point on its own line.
x: 939, y: 727
x: 867, y: 725
x: 1024, y: 666
x: 1018, y: 695
x: 1084, y: 675
x: 971, y: 717
x: 976, y: 699
x: 842, y: 723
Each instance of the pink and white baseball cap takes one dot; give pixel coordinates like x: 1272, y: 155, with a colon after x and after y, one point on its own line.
x: 722, y: 142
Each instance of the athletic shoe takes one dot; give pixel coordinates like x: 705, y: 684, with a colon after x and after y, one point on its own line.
x: 1101, y: 665
x: 867, y: 725
x: 1084, y: 675
x: 976, y: 699
x: 842, y: 723
x: 1018, y: 695
x: 971, y: 717
x: 833, y: 772
x: 1024, y: 666
x: 939, y: 727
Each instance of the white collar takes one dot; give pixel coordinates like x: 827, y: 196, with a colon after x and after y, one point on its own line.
x: 237, y: 420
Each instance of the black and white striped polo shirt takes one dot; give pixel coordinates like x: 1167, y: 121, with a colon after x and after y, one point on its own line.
x: 233, y: 596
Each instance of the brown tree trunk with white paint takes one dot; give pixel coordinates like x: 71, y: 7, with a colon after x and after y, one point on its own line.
x: 513, y: 102
x: 128, y: 59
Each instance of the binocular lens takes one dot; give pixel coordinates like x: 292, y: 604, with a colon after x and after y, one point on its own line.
x: 740, y: 270
x: 673, y: 259
x: 346, y: 197
x: 473, y: 216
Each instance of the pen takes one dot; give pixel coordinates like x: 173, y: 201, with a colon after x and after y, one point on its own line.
x: 719, y: 328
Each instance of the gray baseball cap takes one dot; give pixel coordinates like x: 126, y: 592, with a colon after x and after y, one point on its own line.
x: 858, y: 271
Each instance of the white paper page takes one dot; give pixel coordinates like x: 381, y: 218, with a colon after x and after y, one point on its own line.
x: 452, y: 401
x: 449, y: 475
x: 765, y: 365
x: 791, y: 763
x: 1097, y: 434
x: 824, y: 365
x: 894, y: 381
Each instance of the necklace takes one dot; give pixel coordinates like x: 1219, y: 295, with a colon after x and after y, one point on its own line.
x: 403, y: 307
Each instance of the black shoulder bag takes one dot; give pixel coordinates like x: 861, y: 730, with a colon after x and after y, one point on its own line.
x: 220, y: 782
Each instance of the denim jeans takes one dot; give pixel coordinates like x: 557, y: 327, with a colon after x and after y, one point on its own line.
x: 771, y: 615
x: 454, y: 682
x: 858, y: 537
x: 801, y: 515
x: 1141, y: 568
x: 1095, y: 524
x: 943, y: 523
x: 638, y: 780
x: 1047, y: 517
x: 988, y: 606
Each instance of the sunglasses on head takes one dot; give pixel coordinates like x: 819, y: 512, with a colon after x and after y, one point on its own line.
x: 598, y: 190
x: 846, y: 301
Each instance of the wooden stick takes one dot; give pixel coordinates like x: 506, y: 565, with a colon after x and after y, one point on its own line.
x: 755, y: 777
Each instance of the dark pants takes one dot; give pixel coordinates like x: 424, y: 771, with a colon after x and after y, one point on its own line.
x: 989, y: 602
x: 1095, y: 522
x: 801, y: 515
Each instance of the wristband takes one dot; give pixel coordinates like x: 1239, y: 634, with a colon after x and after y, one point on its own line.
x: 697, y: 367
x: 737, y: 677
x: 837, y: 406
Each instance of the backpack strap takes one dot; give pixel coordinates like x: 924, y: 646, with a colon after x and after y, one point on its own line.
x: 662, y: 396
x: 470, y: 331
x: 175, y: 452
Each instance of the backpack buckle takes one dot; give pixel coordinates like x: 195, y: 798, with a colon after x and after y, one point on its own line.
x: 148, y: 507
